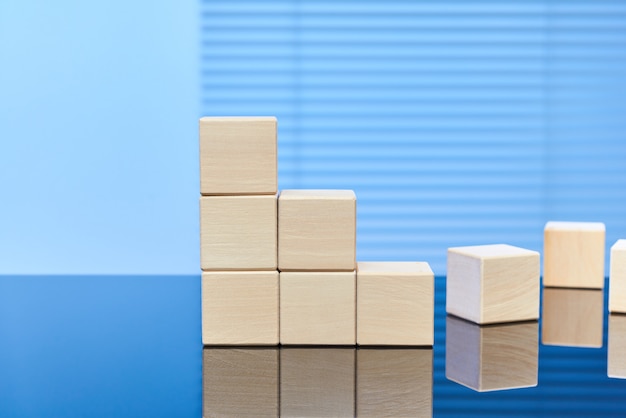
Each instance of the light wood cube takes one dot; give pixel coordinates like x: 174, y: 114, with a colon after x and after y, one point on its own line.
x: 317, y: 382
x: 616, y: 362
x: 573, y: 254
x: 572, y: 317
x: 395, y: 303
x: 238, y: 155
x: 394, y: 382
x: 617, y: 278
x: 493, y: 283
x: 492, y: 357
x: 317, y: 230
x: 241, y: 382
x: 240, y: 308
x: 318, y: 308
x: 238, y: 232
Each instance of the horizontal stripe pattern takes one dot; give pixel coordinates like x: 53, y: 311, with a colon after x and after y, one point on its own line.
x: 456, y: 122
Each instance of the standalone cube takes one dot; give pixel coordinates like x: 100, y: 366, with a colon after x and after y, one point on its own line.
x: 317, y: 230
x: 573, y: 254
x: 238, y: 232
x: 617, y: 279
x: 493, y: 283
x: 572, y: 317
x: 238, y: 155
x: 317, y: 382
x: 240, y: 308
x: 395, y: 303
x: 616, y: 364
x: 492, y: 357
x: 394, y: 382
x: 238, y: 382
x: 317, y: 308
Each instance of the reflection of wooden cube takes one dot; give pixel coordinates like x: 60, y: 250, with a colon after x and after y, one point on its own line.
x: 238, y: 155
x: 572, y: 317
x: 394, y: 383
x: 317, y: 230
x: 617, y: 281
x: 492, y: 357
x: 493, y: 283
x: 617, y: 346
x: 573, y: 254
x: 240, y: 307
x: 395, y: 303
x: 317, y: 308
x: 317, y: 382
x: 238, y: 232
x: 240, y: 382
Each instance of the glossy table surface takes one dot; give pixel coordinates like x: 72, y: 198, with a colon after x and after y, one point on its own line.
x: 130, y: 346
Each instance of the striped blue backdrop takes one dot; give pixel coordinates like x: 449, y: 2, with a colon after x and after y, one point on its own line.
x: 456, y: 122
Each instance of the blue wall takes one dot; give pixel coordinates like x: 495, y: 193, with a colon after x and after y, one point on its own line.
x: 98, y: 137
x: 456, y: 123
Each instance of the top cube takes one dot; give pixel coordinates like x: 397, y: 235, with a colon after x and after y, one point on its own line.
x: 238, y: 155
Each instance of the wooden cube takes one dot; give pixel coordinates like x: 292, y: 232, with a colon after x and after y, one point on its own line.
x: 317, y: 230
x: 573, y: 254
x: 492, y: 357
x: 240, y: 382
x: 617, y: 278
x: 238, y: 232
x: 395, y: 303
x: 394, y: 382
x: 317, y: 382
x: 238, y: 155
x: 493, y: 283
x: 616, y: 364
x: 240, y: 307
x: 572, y: 317
x: 318, y: 308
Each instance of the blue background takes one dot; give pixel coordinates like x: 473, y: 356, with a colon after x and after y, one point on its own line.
x: 456, y: 122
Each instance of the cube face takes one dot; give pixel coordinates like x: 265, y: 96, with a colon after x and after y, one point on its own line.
x: 617, y: 280
x: 317, y: 382
x: 574, y: 254
x: 238, y: 232
x: 395, y: 303
x: 616, y: 357
x: 240, y: 308
x: 240, y: 382
x: 317, y: 230
x: 317, y: 308
x: 488, y: 358
x: 394, y: 382
x: 572, y: 317
x: 493, y: 283
x: 238, y: 155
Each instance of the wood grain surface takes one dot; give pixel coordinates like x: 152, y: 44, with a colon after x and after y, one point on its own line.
x: 317, y: 230
x: 395, y: 303
x: 573, y: 254
x: 318, y: 308
x: 238, y: 155
x: 493, y: 283
x: 240, y: 308
x: 238, y: 232
x: 617, y: 277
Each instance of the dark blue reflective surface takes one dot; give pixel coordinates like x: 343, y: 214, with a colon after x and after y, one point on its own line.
x: 130, y: 346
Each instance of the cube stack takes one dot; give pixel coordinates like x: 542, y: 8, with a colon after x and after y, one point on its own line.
x: 238, y: 242
x: 303, y: 242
